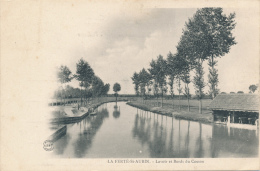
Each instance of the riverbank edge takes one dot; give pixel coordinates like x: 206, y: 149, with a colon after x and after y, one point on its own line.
x: 178, y: 115
x: 66, y: 120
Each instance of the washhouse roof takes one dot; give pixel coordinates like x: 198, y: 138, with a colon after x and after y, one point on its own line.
x: 236, y: 102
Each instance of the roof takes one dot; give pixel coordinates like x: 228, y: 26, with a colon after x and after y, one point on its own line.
x: 235, y: 102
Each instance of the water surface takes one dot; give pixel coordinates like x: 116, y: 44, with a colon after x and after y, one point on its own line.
x: 128, y: 132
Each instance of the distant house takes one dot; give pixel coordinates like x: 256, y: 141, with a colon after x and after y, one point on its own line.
x: 235, y: 108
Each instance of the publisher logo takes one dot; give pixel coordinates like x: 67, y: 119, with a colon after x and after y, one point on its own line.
x: 48, y: 145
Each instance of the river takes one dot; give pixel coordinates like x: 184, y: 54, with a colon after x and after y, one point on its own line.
x: 129, y: 132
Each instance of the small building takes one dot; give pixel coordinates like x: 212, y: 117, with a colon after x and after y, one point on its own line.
x: 235, y: 108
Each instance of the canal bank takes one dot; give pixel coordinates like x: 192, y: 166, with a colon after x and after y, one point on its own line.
x: 204, y: 118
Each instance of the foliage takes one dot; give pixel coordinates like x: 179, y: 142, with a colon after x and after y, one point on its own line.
x: 97, y: 86
x: 84, y: 73
x: 144, y: 79
x: 64, y: 74
x: 199, y: 81
x: 159, y: 70
x: 106, y: 89
x: 211, y: 38
x: 171, y: 72
x: 171, y: 83
x: 253, y: 88
x: 213, y: 79
x: 136, y: 82
x: 186, y: 79
x: 116, y: 87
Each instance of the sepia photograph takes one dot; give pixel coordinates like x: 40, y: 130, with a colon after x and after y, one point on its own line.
x: 130, y: 85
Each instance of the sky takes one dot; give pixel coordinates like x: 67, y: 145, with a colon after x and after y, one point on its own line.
x: 118, y: 40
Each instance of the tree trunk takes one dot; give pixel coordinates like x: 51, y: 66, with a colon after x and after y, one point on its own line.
x: 179, y: 93
x: 61, y: 94
x: 188, y: 96
x: 81, y: 96
x: 213, y: 86
x: 200, y: 106
x: 157, y: 100
x: 188, y: 104
x: 64, y: 96
x: 200, y: 91
x: 162, y: 96
x: 172, y: 102
x: 116, y: 99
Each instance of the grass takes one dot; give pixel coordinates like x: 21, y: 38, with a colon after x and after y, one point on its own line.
x: 180, y: 113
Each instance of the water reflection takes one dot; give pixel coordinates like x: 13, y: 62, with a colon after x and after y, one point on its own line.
x: 233, y: 142
x: 192, y: 139
x: 135, y: 133
x: 81, y: 135
x: 116, y: 112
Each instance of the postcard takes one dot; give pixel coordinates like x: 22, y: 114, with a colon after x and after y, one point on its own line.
x: 129, y: 85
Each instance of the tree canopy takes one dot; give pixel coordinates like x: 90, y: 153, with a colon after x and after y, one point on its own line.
x: 84, y: 73
x: 253, y: 88
x: 116, y: 87
x: 64, y: 74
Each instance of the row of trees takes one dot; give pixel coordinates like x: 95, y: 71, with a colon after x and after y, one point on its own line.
x: 90, y: 84
x: 206, y: 36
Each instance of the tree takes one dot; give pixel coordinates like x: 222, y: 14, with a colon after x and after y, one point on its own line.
x: 106, y: 89
x: 215, y: 30
x: 158, y: 72
x: 186, y: 79
x: 171, y: 83
x: 136, y: 82
x: 189, y: 47
x: 178, y: 66
x: 252, y: 88
x: 152, y: 71
x: 171, y: 71
x: 183, y: 73
x: 181, y: 69
x: 199, y: 84
x: 84, y: 75
x: 97, y: 86
x: 156, y: 90
x: 207, y: 36
x: 240, y: 92
x: 64, y: 76
x: 116, y: 89
x: 144, y: 79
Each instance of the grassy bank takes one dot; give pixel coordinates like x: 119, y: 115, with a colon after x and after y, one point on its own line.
x: 169, y: 102
x: 205, y: 117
